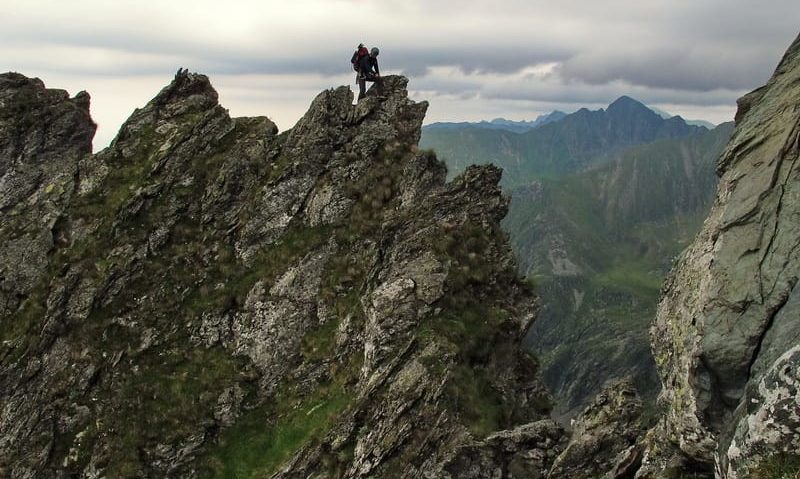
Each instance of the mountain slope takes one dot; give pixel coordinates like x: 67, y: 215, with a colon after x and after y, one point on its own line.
x: 572, y: 144
x: 598, y: 245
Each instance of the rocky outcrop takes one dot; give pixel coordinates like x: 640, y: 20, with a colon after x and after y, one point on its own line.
x: 43, y: 136
x: 207, y: 297
x: 771, y: 420
x: 524, y: 452
x: 604, y: 437
x: 726, y: 330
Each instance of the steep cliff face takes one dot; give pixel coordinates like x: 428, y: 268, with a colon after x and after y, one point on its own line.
x: 43, y: 136
x: 209, y: 298
x: 726, y: 334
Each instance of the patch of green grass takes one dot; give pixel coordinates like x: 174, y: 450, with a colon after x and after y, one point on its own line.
x: 465, y: 247
x: 779, y: 466
x: 470, y: 327
x: 375, y: 191
x: 16, y: 332
x: 264, y: 438
x: 633, y: 277
x: 480, y: 406
x: 469, y: 321
x: 319, y: 343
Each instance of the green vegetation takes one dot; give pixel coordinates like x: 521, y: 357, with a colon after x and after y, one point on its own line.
x: 468, y: 321
x: 634, y: 277
x: 599, y: 244
x: 778, y: 466
x: 374, y: 191
x: 254, y: 447
x: 480, y: 406
x: 469, y: 389
x: 163, y: 400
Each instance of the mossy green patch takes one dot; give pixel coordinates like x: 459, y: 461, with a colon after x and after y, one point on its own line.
x: 161, y: 400
x: 374, y: 192
x: 634, y: 277
x: 480, y: 406
x: 265, y: 437
x: 319, y: 343
x: 470, y: 319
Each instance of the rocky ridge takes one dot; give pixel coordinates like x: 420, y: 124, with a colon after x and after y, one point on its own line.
x: 209, y: 298
x: 43, y: 136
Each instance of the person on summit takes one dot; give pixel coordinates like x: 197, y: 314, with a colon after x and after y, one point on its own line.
x: 368, y: 71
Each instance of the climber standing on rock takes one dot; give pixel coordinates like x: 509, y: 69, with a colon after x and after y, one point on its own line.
x: 368, y: 70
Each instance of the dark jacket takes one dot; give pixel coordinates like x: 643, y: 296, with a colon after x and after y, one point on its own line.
x: 368, y: 66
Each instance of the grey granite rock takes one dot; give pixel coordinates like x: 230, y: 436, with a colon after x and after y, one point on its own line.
x: 772, y: 420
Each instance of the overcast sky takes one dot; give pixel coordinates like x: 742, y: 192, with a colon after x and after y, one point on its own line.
x: 471, y: 59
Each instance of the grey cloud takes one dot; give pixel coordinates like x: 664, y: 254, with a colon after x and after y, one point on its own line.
x: 551, y: 90
x: 472, y: 59
x: 696, y: 47
x: 701, y: 53
x: 673, y: 69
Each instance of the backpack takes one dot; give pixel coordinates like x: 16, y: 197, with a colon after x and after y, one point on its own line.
x: 360, y: 52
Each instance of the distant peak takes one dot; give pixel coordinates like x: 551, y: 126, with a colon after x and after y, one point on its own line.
x: 626, y: 102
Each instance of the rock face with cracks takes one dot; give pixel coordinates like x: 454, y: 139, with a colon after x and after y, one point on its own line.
x: 207, y: 297
x: 604, y: 436
x: 43, y: 136
x: 726, y: 333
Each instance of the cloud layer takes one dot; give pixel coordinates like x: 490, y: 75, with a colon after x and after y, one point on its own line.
x: 521, y: 57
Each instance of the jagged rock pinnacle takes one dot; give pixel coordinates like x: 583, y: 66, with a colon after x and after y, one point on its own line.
x: 43, y: 136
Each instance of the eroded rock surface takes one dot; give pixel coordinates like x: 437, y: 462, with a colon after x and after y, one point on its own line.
x: 207, y: 297
x: 43, y: 136
x: 604, y: 437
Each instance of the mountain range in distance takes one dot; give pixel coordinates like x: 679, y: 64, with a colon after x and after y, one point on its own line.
x: 577, y: 142
x: 502, y: 123
x: 521, y: 126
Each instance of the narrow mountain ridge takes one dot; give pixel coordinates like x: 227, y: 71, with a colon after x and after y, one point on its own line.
x: 213, y: 299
